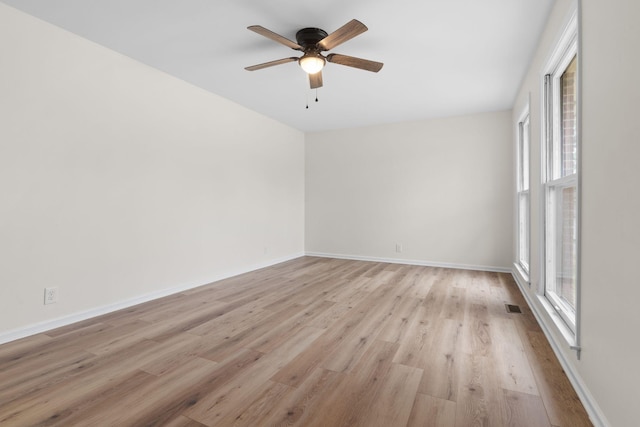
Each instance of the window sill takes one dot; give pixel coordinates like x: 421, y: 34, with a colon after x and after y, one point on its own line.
x: 568, y: 335
x: 524, y: 276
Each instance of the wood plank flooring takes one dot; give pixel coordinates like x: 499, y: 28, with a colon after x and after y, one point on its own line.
x: 309, y: 342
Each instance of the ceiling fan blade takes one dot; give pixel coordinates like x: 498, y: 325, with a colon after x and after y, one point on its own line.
x: 275, y: 37
x: 352, y: 61
x: 315, y: 80
x: 270, y: 64
x: 342, y: 34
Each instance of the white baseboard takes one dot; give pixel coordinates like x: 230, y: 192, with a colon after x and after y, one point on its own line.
x: 591, y: 406
x: 412, y: 262
x: 105, y: 309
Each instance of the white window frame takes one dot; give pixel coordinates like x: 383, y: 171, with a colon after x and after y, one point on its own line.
x: 565, y: 317
x: 523, y: 192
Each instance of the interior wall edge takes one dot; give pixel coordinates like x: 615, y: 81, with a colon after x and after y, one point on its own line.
x: 586, y: 397
x: 51, y: 324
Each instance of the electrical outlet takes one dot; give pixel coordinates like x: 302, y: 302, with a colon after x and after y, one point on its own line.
x: 398, y: 248
x: 50, y: 295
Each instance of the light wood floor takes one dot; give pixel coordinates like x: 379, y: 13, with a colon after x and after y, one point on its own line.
x: 310, y: 342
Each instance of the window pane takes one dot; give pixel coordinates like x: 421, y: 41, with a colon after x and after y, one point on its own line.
x: 525, y: 154
x: 566, y: 261
x: 523, y: 230
x: 568, y: 147
x: 523, y: 194
x: 560, y: 177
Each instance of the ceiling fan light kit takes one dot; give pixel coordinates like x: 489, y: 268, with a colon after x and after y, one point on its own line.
x: 312, y: 63
x: 312, y: 42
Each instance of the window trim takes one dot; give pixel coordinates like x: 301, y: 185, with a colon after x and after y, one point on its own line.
x: 524, y: 268
x: 570, y: 40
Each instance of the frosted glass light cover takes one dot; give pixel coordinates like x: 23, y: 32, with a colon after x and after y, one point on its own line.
x: 312, y: 64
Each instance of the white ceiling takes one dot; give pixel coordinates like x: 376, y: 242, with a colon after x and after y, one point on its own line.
x: 442, y: 57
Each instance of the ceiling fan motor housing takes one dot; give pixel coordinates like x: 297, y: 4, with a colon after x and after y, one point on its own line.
x: 309, y: 37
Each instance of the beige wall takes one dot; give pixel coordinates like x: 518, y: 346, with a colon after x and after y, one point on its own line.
x: 441, y: 188
x: 607, y: 372
x: 120, y: 182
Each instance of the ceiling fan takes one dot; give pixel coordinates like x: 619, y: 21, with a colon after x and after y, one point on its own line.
x: 312, y: 42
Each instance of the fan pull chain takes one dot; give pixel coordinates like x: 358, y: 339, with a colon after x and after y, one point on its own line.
x: 307, y: 105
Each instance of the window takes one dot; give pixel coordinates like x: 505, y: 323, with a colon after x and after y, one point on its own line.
x: 523, y: 197
x: 560, y: 179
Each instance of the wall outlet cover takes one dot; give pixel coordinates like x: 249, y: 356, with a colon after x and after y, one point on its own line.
x: 50, y: 295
